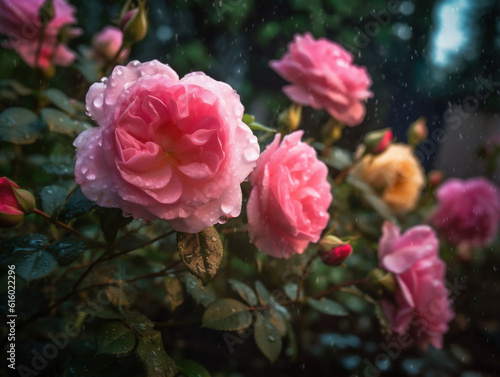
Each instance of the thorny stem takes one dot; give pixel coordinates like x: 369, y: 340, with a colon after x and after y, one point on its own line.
x: 305, y: 273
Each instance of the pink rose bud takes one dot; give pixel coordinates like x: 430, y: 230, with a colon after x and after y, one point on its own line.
x: 336, y: 255
x: 417, y: 132
x: 134, y: 24
x: 435, y: 177
x: 14, y: 203
x: 107, y: 43
x: 321, y: 75
x: 377, y: 141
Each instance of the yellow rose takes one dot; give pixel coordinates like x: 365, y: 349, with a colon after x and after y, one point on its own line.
x: 396, y: 174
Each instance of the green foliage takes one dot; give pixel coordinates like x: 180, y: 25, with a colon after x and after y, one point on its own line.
x: 191, y: 368
x: 77, y: 205
x: 327, y: 306
x: 67, y: 250
x: 155, y: 360
x: 249, y: 120
x: 20, y: 126
x: 268, y: 338
x: 60, y: 99
x: 115, y: 338
x: 245, y: 292
x: 227, y: 314
x: 112, y: 221
x: 59, y: 122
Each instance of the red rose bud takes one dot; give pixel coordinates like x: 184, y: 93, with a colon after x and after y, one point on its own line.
x: 417, y: 132
x: 377, y: 141
x: 334, y: 251
x: 134, y: 24
x: 14, y: 203
x: 435, y: 177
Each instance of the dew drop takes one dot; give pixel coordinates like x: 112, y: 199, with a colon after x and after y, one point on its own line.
x: 250, y: 154
x: 98, y: 101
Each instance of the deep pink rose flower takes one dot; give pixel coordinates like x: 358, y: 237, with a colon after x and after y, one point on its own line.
x: 108, y: 42
x: 166, y: 148
x: 468, y: 211
x: 322, y: 76
x: 290, y: 197
x: 19, y: 20
x: 420, y: 305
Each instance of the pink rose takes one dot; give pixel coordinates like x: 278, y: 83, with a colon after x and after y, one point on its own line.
x: 166, y: 148
x: 108, y: 42
x: 290, y: 197
x: 420, y: 305
x: 19, y: 20
x: 468, y: 211
x: 322, y: 75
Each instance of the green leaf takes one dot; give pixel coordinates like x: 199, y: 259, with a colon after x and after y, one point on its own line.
x: 77, y: 205
x: 175, y: 295
x: 263, y: 294
x: 20, y: 126
x: 112, y: 221
x: 227, y: 314
x: 17, y: 86
x: 249, y: 120
x: 291, y: 290
x: 13, y: 249
x: 327, y: 306
x: 115, y: 338
x: 36, y: 265
x: 267, y: 337
x: 191, y: 368
x: 61, y: 123
x: 67, y: 250
x: 60, y: 99
x: 28, y: 255
x: 202, y: 295
x: 338, y: 158
x: 155, y: 360
x: 245, y: 292
x: 52, y: 197
x: 201, y: 252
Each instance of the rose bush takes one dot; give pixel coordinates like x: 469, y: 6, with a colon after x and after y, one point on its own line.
x: 166, y: 148
x: 468, y: 212
x: 396, y: 173
x: 20, y: 21
x: 420, y: 305
x: 321, y: 75
x: 288, y: 204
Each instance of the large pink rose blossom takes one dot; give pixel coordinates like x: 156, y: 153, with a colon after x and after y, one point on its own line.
x: 20, y: 21
x: 421, y: 306
x: 107, y: 43
x: 290, y: 197
x: 166, y: 148
x: 468, y: 212
x: 321, y: 75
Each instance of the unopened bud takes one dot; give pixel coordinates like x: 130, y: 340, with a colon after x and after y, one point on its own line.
x: 377, y: 141
x: 336, y: 255
x: 134, y: 24
x: 435, y: 177
x: 417, y: 132
x: 46, y: 12
x: 14, y: 203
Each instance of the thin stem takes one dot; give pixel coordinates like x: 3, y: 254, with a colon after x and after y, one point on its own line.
x: 305, y: 273
x: 59, y: 223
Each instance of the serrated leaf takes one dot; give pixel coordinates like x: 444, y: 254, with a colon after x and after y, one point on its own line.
x: 67, y: 250
x: 278, y: 320
x: 35, y: 266
x: 202, y: 295
x: 245, y: 292
x: 268, y: 338
x: 201, y: 252
x: 263, y: 294
x: 227, y: 314
x: 327, y: 306
x: 52, y: 197
x: 20, y: 126
x: 155, y: 360
x: 112, y: 221
x: 191, y: 368
x: 175, y: 295
x: 60, y: 99
x: 61, y: 123
x: 15, y: 248
x: 291, y: 290
x: 115, y: 338
x: 77, y: 205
